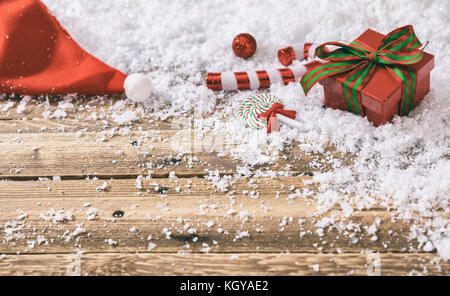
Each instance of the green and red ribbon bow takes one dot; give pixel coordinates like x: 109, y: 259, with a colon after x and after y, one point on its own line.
x: 275, y: 109
x: 397, y: 49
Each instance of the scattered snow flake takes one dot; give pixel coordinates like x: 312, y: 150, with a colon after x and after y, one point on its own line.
x: 428, y: 247
x: 139, y: 182
x: 151, y: 246
x: 92, y: 214
x: 53, y: 215
x: 444, y: 248
x: 166, y: 232
x: 111, y: 242
x: 209, y: 224
x: 103, y: 187
x: 240, y: 234
x: 7, y: 106
x: 125, y: 118
x: 206, y: 248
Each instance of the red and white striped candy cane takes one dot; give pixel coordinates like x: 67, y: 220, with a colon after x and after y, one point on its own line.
x: 299, y: 51
x: 253, y: 79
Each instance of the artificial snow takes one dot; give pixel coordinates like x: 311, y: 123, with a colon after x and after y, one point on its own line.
x: 102, y: 187
x: 151, y: 246
x: 125, y: 118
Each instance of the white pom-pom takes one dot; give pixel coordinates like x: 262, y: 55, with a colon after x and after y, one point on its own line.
x: 138, y: 87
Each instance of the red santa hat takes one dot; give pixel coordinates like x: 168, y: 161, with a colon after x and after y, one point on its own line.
x: 38, y: 56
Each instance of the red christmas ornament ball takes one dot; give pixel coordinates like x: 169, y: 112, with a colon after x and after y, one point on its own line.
x: 244, y: 45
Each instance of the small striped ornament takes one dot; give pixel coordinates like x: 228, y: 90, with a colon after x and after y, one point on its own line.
x: 248, y: 110
x: 298, y: 51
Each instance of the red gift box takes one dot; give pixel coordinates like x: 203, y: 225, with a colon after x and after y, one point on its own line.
x: 380, y: 97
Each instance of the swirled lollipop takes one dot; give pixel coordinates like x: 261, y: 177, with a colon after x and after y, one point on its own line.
x: 260, y: 110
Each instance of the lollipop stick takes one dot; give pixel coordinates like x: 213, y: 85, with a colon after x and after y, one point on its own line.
x: 291, y: 122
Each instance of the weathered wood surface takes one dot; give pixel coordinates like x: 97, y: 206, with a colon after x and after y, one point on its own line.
x: 195, y: 212
x: 33, y: 155
x: 190, y: 225
x: 78, y: 145
x: 244, y: 264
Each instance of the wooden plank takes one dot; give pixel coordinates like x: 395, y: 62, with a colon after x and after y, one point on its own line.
x: 36, y: 144
x: 225, y: 218
x: 35, y: 106
x: 70, y: 124
x: 244, y: 264
x: 91, y: 112
x: 80, y: 108
x: 40, y: 125
x: 155, y: 152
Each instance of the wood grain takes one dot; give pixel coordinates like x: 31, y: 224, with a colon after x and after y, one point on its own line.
x: 33, y: 155
x: 208, y: 221
x: 269, y: 220
x: 38, y: 144
x: 243, y: 264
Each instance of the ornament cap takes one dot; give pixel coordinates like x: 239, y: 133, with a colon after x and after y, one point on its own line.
x: 286, y: 55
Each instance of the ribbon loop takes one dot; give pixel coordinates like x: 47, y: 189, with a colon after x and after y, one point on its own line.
x: 398, y: 48
x: 372, y: 57
x: 276, y: 108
